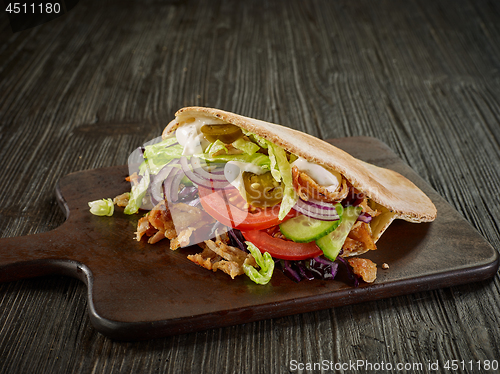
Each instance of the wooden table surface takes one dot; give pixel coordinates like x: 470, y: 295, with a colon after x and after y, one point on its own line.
x: 84, y: 90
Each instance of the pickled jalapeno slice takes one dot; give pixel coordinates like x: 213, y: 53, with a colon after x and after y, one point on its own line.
x: 262, y: 190
x: 226, y: 133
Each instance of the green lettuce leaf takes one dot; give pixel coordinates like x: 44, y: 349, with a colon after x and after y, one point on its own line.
x: 265, y: 262
x: 275, y: 171
x: 285, y: 171
x: 258, y: 159
x: 215, y: 147
x: 246, y: 146
x: 159, y: 154
x: 138, y: 192
x: 156, y: 156
x: 256, y: 138
x: 103, y: 207
x: 281, y: 170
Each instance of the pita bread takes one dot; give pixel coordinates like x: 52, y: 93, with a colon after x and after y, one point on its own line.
x: 388, y: 190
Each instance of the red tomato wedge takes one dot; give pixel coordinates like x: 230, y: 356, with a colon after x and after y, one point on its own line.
x: 227, y: 207
x: 279, y: 248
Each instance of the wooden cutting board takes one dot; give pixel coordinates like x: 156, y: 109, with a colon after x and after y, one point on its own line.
x: 141, y: 291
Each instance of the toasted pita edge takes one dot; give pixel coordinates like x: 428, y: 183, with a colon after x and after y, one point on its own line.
x: 401, y: 198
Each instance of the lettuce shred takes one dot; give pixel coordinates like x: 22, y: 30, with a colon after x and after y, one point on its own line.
x: 281, y: 171
x: 103, y: 207
x: 215, y: 147
x: 275, y: 171
x: 258, y: 159
x: 138, y: 192
x: 256, y: 138
x: 246, y: 146
x: 156, y: 156
x: 265, y: 262
x: 289, y: 195
x: 159, y: 154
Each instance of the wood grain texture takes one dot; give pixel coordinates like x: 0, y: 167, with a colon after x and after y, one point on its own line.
x: 137, y: 291
x: 84, y: 90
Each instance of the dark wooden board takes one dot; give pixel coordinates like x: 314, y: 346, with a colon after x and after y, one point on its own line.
x: 141, y: 291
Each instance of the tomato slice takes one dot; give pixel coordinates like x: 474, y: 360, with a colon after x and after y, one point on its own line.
x: 279, y: 248
x: 227, y: 207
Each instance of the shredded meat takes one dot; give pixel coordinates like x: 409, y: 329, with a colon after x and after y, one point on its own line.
x: 218, y: 255
x: 365, y: 268
x: 159, y: 235
x: 362, y: 232
x: 359, y: 240
x: 352, y: 247
x: 307, y: 188
x: 134, y: 179
x: 162, y: 222
x: 182, y: 240
x: 160, y: 218
x: 226, y: 251
x: 206, y: 258
x: 122, y: 200
x: 144, y: 228
x: 189, y: 216
x: 367, y: 209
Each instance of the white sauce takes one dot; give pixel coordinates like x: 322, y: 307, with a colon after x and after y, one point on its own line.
x: 190, y: 136
x: 233, y: 171
x: 329, y: 179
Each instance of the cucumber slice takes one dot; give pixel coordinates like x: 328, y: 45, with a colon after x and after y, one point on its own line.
x: 332, y: 243
x: 303, y: 229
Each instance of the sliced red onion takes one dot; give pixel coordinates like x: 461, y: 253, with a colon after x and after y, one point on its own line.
x: 195, y: 162
x: 217, y: 171
x: 317, y: 213
x: 189, y: 173
x: 149, y: 196
x: 199, y: 180
x: 364, y: 217
x: 156, y: 184
x: 216, y: 167
x: 320, y: 204
x: 171, y: 185
x: 188, y: 193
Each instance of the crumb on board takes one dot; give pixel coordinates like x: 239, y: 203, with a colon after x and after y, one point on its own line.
x: 385, y: 266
